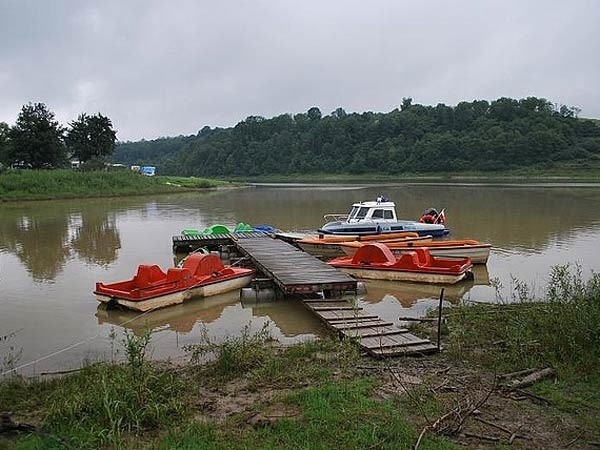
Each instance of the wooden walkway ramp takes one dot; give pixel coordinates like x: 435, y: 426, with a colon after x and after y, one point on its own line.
x: 292, y: 270
x: 378, y: 337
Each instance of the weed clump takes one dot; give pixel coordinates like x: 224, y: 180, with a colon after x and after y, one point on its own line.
x: 560, y: 330
x: 101, y: 403
x: 235, y: 355
x: 252, y: 355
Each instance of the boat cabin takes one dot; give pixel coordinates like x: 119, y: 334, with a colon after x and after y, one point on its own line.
x: 372, y: 211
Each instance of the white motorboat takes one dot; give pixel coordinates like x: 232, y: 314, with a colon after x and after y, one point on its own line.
x: 378, y: 217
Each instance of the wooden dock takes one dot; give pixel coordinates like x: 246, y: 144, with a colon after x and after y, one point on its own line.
x: 185, y: 243
x: 292, y: 270
x: 296, y: 272
x: 378, y: 337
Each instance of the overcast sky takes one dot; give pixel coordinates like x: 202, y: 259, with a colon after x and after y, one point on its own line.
x: 163, y: 68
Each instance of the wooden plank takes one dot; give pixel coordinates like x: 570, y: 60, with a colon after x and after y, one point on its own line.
x: 311, y: 301
x: 403, y: 351
x: 353, y: 317
x: 369, y: 332
x: 355, y: 321
x: 344, y: 315
x: 335, y: 308
x: 342, y: 326
x: 386, y: 342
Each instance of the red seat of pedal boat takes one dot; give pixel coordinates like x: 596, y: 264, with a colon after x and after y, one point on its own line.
x: 201, y: 264
x: 375, y: 253
x: 148, y: 275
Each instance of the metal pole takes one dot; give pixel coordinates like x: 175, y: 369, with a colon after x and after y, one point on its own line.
x: 439, y: 330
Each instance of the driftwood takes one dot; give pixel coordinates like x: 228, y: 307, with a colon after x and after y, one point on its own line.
x: 572, y: 441
x: 495, y: 425
x: 7, y: 425
x: 481, y: 436
x: 531, y: 379
x: 539, y: 398
x: 513, y: 434
x: 520, y: 373
x: 62, y: 372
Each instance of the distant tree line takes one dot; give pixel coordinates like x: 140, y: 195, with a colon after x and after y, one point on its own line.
x: 484, y: 136
x: 38, y: 141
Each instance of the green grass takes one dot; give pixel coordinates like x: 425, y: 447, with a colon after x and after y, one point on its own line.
x: 18, y: 185
x: 332, y: 415
x: 576, y: 397
x: 98, y: 405
x: 136, y: 405
x: 62, y: 184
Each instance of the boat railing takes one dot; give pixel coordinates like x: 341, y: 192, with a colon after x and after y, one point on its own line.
x: 335, y: 217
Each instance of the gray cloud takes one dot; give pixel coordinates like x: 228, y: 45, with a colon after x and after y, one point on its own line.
x: 165, y: 68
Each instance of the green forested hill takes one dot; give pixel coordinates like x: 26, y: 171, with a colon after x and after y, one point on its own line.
x: 505, y: 134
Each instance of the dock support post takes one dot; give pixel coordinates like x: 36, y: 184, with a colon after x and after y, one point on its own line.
x: 439, y: 330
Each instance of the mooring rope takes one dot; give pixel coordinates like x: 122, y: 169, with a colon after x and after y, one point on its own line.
x: 72, y: 346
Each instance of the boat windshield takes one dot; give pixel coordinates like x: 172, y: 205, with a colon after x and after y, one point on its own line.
x: 352, y: 212
x: 362, y: 213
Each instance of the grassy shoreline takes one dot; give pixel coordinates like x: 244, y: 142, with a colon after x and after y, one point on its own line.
x: 324, y: 394
x: 22, y: 185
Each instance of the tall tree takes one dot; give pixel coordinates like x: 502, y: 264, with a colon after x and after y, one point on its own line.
x: 314, y: 113
x: 4, y: 143
x: 91, y: 137
x: 37, y: 138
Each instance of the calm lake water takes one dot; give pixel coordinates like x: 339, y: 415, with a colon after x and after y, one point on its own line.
x: 52, y: 253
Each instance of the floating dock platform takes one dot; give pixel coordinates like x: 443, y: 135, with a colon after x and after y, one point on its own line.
x: 292, y: 270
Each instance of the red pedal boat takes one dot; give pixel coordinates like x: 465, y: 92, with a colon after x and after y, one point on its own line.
x: 201, y: 275
x: 376, y: 261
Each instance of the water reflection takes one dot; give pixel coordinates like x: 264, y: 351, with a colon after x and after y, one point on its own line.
x: 45, y: 236
x: 40, y: 242
x: 96, y: 238
x: 180, y: 318
x: 391, y: 299
x: 289, y: 316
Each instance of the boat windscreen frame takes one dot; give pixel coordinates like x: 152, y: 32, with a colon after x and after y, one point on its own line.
x: 362, y: 212
x: 352, y: 212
